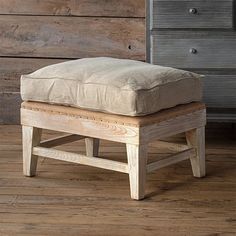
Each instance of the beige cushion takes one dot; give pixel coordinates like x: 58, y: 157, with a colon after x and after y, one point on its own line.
x: 111, y: 85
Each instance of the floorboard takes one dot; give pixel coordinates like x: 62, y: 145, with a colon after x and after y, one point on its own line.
x: 69, y: 199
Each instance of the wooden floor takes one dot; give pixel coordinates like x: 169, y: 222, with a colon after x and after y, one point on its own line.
x: 68, y: 199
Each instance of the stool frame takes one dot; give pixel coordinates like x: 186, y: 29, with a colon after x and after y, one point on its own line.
x: 188, y: 119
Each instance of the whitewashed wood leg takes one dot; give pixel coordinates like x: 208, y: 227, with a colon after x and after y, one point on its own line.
x: 31, y: 137
x: 92, y: 147
x: 196, y: 138
x: 137, y: 162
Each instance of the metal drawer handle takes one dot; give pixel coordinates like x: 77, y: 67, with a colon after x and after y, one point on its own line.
x: 193, y: 50
x: 193, y: 11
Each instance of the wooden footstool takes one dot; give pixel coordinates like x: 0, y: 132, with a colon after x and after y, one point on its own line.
x: 135, y: 132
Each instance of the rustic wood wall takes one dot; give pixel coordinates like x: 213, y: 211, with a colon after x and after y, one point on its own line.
x: 36, y: 33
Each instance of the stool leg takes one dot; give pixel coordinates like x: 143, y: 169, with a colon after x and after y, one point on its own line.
x: 31, y: 137
x: 92, y: 147
x: 196, y: 138
x: 137, y: 162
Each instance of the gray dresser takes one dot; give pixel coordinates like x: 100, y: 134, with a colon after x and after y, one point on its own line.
x: 199, y: 36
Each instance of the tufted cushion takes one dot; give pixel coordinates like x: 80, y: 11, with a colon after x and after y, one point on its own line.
x: 111, y: 85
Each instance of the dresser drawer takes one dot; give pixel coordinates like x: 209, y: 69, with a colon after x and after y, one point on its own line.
x: 220, y: 91
x: 193, y: 53
x: 192, y: 14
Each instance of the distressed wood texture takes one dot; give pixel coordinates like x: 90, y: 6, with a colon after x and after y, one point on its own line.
x: 220, y: 91
x: 10, y: 71
x: 225, y: 115
x: 196, y: 139
x: 172, y: 147
x: 137, y: 161
x: 214, y: 50
x: 172, y: 159
x: 79, y: 125
x: 69, y: 199
x: 135, y: 132
x: 198, y: 35
x: 12, y: 68
x: 9, y: 108
x: 92, y: 147
x: 34, y: 34
x: 72, y: 37
x: 121, y: 8
x: 69, y: 138
x: 80, y: 159
x: 31, y: 137
x: 192, y: 14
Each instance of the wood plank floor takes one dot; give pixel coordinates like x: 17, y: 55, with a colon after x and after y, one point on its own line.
x: 68, y: 199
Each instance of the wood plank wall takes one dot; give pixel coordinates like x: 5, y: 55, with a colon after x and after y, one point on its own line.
x: 36, y: 33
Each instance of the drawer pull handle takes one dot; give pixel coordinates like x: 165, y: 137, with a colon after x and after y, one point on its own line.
x: 193, y: 11
x: 193, y: 51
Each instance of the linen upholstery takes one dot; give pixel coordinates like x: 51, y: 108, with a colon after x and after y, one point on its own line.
x: 118, y: 86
